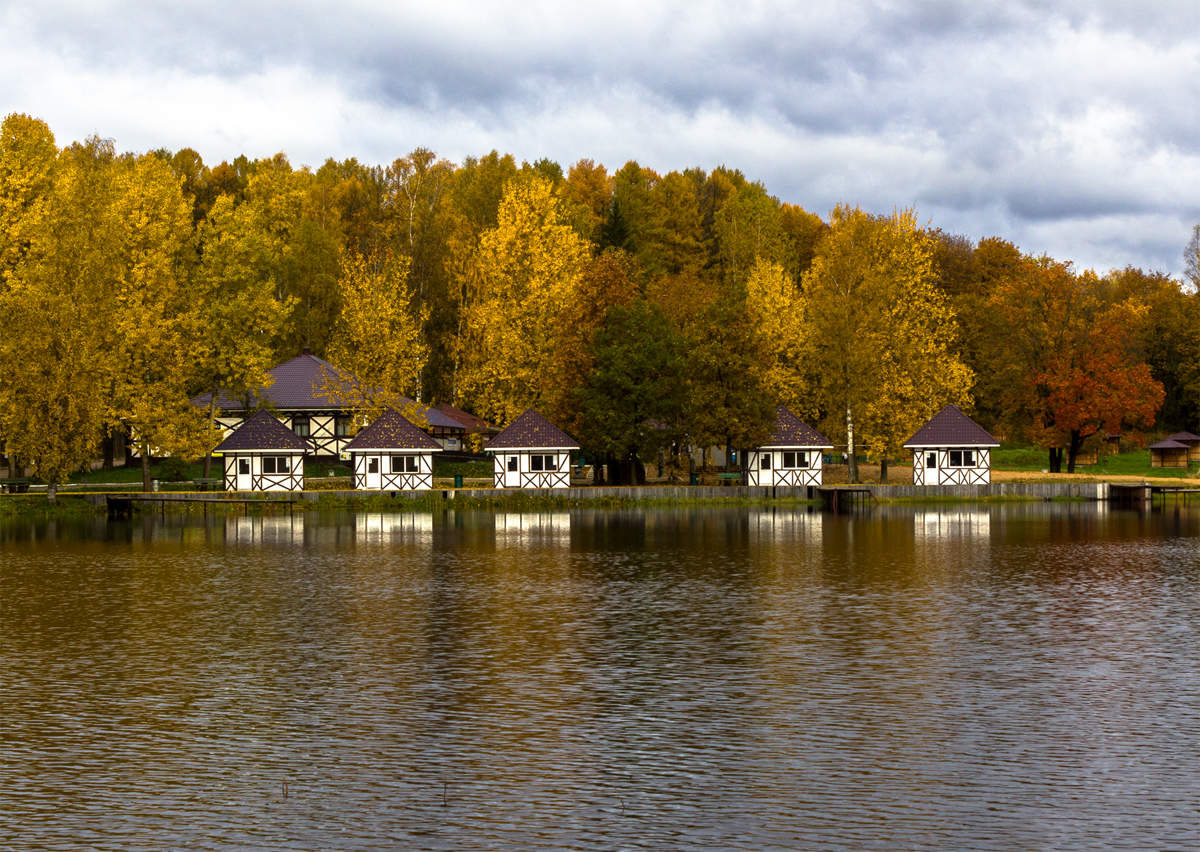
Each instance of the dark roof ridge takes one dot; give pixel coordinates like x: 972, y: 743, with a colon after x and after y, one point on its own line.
x: 790, y: 431
x: 532, y: 431
x: 391, y: 430
x: 951, y: 427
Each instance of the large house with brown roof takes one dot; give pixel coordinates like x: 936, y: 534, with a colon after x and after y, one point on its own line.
x: 300, y: 395
x: 263, y: 455
x: 792, y: 455
x: 393, y: 455
x: 532, y: 453
x: 951, y: 449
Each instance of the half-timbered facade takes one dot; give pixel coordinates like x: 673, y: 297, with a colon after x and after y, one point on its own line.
x: 951, y: 449
x: 263, y: 455
x: 303, y: 393
x: 531, y: 453
x: 392, y: 455
x: 792, y: 455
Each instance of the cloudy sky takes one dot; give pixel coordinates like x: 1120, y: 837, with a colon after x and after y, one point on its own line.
x: 1067, y: 127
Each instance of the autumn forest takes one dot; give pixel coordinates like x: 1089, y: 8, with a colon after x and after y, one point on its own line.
x: 640, y: 311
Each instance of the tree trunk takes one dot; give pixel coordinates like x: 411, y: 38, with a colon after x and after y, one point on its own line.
x: 1056, y: 459
x: 145, y: 466
x: 1073, y: 450
x: 52, y: 492
x: 639, y: 471
x: 109, y: 451
x: 851, y: 461
x: 883, y: 469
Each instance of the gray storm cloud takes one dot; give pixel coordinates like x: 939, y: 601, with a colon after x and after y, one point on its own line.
x: 1067, y: 128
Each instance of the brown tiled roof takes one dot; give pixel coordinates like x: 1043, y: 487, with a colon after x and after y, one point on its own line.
x: 1184, y: 438
x: 1168, y: 444
x: 951, y: 428
x: 296, y: 384
x: 532, y: 431
x: 791, y: 431
x: 473, y: 424
x: 263, y: 432
x: 392, y: 431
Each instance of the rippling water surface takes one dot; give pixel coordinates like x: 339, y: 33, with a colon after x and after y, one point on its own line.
x: 1022, y: 676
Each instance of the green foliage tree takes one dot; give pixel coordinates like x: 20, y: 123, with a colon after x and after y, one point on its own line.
x: 630, y: 404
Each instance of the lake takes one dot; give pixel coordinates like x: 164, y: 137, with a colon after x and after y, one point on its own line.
x: 998, y: 677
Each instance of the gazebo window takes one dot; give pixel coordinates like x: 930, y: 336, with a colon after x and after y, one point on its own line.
x: 404, y: 464
x: 931, y: 460
x: 512, y: 464
x: 542, y: 462
x: 244, y: 466
x: 793, y: 459
x: 372, y: 464
x: 962, y: 458
x: 341, y: 426
x: 765, y: 461
x: 275, y: 464
x: 300, y: 425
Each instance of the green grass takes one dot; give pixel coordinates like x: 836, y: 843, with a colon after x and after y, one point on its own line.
x: 1020, y: 458
x: 1132, y: 463
x: 467, y: 470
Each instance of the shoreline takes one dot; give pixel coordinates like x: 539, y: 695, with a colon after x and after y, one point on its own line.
x: 101, y: 502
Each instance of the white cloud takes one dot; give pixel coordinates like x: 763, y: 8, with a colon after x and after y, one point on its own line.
x: 1068, y: 130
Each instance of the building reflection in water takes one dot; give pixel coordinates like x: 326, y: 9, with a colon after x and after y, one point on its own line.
x: 952, y: 522
x: 265, y: 529
x: 527, y: 529
x: 787, y: 526
x: 379, y: 527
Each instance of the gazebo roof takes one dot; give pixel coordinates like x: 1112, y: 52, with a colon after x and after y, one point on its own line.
x: 1168, y: 444
x: 532, y: 431
x: 392, y: 431
x: 951, y: 428
x: 1184, y: 438
x: 791, y: 431
x: 263, y: 432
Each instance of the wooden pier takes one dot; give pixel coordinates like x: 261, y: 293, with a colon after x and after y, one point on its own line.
x: 121, y: 505
x: 845, y: 496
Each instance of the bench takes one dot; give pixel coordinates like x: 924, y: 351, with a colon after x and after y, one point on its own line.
x: 729, y: 478
x: 14, y: 486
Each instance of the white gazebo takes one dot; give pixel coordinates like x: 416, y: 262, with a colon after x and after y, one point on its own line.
x: 951, y: 449
x: 792, y: 455
x: 263, y: 455
x: 393, y: 455
x: 532, y: 453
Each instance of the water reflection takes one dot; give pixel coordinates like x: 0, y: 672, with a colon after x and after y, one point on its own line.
x: 265, y: 529
x: 533, y: 529
x: 1012, y: 676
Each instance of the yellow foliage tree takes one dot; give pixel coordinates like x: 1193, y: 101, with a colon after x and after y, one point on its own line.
x: 528, y: 270
x: 881, y: 331
x: 378, y: 339
x: 775, y: 309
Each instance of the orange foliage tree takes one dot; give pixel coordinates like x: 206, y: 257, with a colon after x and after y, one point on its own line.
x: 1068, y: 359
